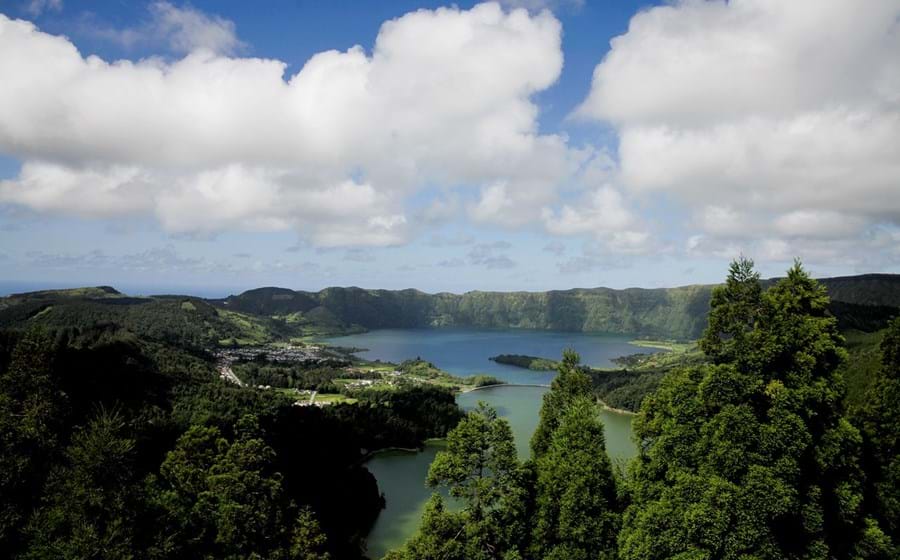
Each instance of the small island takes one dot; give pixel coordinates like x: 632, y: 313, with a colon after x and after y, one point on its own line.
x: 526, y: 362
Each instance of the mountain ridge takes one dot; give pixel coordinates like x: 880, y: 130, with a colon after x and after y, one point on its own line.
x: 863, y: 302
x: 678, y: 312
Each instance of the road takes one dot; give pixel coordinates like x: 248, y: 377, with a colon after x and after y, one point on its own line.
x: 228, y: 375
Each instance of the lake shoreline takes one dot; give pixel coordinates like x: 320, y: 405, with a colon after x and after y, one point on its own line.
x: 497, y: 385
x: 614, y: 409
x: 600, y: 401
x: 375, y: 452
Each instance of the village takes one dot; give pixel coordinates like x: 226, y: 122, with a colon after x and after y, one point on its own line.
x: 309, y: 355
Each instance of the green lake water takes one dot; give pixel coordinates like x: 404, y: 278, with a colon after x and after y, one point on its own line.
x: 401, y: 475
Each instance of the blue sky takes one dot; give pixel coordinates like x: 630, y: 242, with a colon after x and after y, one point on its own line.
x: 217, y: 146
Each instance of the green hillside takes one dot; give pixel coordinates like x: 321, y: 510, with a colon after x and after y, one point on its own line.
x: 187, y: 321
x: 860, y: 302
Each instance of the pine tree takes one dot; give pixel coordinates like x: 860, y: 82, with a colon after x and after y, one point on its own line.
x: 91, y: 499
x: 569, y: 384
x: 31, y: 416
x: 737, y: 305
x: 577, y: 515
x: 751, y: 457
x: 224, y: 500
x: 480, y: 467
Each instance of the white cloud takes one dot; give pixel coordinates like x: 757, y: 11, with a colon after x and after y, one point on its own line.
x: 38, y: 7
x: 157, y: 260
x: 211, y: 142
x: 188, y: 29
x: 604, y: 215
x: 779, y: 120
x: 725, y: 221
x: 875, y: 248
x: 595, y: 255
x: 537, y: 5
x: 180, y: 29
x: 603, y: 211
x: 819, y: 224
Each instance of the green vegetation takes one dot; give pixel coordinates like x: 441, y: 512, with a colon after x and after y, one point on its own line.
x: 119, y: 440
x: 483, y: 381
x: 421, y: 369
x: 641, y: 374
x: 751, y: 456
x: 577, y: 509
x: 746, y: 450
x: 570, y: 383
x: 879, y: 422
x: 479, y: 466
x: 562, y: 504
x: 673, y: 346
x: 526, y: 362
x: 121, y: 444
x: 861, y: 302
x: 863, y: 364
x: 577, y: 512
x: 169, y: 320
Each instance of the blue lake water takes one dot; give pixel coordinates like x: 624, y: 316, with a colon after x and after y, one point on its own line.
x: 401, y: 475
x: 466, y: 351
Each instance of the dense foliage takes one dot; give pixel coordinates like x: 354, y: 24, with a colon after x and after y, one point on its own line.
x: 187, y: 322
x: 480, y: 467
x: 626, y: 388
x: 879, y: 421
x: 746, y: 452
x: 563, y: 504
x: 867, y: 301
x: 577, y: 512
x: 117, y: 445
x: 751, y: 456
x: 570, y: 383
x: 118, y: 439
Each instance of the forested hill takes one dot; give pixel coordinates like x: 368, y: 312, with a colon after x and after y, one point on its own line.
x: 863, y: 302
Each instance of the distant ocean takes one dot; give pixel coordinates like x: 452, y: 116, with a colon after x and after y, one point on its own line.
x: 7, y: 288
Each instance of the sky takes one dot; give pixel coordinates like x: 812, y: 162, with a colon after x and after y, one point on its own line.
x: 215, y: 146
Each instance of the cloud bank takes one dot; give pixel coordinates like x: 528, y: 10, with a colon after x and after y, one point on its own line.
x: 212, y: 142
x: 778, y: 122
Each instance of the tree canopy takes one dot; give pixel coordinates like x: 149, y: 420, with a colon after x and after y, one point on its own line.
x: 751, y: 457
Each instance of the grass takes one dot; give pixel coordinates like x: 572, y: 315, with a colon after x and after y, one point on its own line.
x: 334, y: 398
x: 252, y: 331
x: 670, y: 345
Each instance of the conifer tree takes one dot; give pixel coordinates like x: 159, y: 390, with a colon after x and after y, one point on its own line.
x: 576, y: 516
x: 31, y: 415
x: 91, y: 499
x: 480, y: 467
x: 569, y: 384
x: 751, y: 457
